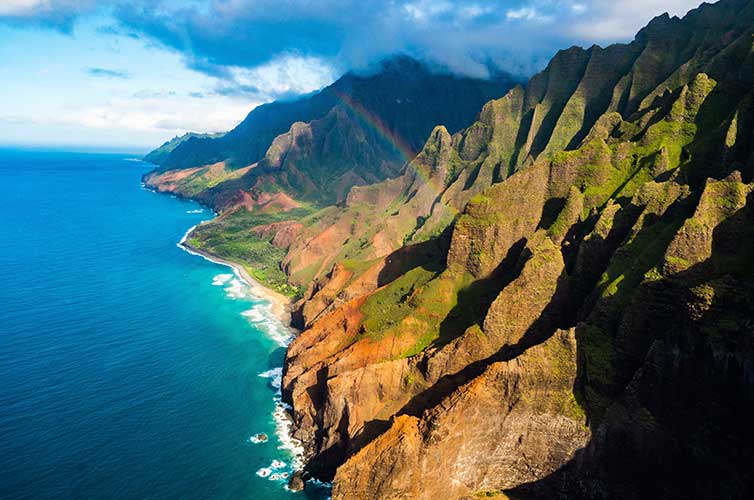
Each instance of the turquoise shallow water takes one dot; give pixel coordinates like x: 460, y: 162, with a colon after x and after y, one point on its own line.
x: 128, y: 368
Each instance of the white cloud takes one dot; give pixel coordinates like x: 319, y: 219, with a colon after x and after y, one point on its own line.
x: 42, y: 8
x: 174, y: 114
x: 287, y: 75
x: 472, y: 11
x: 238, y: 40
x: 144, y: 114
x: 426, y: 9
x: 19, y: 7
x: 145, y: 122
x: 528, y: 14
x: 614, y: 20
x: 578, y: 8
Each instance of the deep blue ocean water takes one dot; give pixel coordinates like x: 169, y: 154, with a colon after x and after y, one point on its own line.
x: 127, y: 366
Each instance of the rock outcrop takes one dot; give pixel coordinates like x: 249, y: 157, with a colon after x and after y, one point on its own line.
x: 516, y: 422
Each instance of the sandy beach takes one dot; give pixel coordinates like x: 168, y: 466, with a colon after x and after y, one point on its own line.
x: 280, y: 304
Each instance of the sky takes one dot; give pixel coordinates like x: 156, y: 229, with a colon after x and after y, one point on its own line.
x: 134, y: 73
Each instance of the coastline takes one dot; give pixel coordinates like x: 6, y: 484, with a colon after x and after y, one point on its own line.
x: 280, y: 305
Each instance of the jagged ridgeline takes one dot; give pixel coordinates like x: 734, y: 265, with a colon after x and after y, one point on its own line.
x: 361, y: 129
x: 556, y: 301
x: 287, y: 160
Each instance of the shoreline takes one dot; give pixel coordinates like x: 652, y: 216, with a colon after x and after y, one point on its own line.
x: 280, y: 305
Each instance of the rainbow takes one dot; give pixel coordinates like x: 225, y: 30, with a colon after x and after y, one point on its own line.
x: 375, y: 123
x: 401, y: 145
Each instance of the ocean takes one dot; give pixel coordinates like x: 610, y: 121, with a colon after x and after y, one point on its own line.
x: 128, y: 367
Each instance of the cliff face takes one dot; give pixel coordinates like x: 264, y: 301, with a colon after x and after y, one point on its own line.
x: 554, y: 301
x: 512, y: 424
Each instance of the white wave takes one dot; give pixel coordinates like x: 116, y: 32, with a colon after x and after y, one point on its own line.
x: 236, y: 289
x: 276, y: 476
x: 260, y: 314
x: 288, y: 443
x: 259, y: 438
x: 262, y: 317
x: 195, y: 211
x: 320, y: 483
x: 184, y: 238
x: 221, y: 279
x: 254, y: 315
x: 275, y: 375
x: 277, y: 464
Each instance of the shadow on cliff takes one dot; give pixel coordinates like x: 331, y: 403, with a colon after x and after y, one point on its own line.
x: 473, y: 304
x: 427, y: 254
x: 681, y: 427
x: 474, y: 301
x: 540, y: 330
x: 680, y: 424
x: 468, y: 310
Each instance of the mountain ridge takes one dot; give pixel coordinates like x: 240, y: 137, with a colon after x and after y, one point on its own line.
x: 248, y: 141
x: 371, y: 129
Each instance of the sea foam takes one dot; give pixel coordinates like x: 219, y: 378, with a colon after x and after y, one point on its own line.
x: 221, y: 279
x: 275, y: 375
x: 258, y: 438
x: 288, y: 443
x: 183, y: 239
x: 236, y: 289
x: 263, y: 319
x: 277, y: 464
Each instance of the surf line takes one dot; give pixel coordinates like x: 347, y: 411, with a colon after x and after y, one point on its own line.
x: 266, y: 321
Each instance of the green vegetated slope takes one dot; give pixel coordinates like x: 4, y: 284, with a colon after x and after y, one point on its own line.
x: 310, y: 152
x: 230, y: 237
x: 602, y: 215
